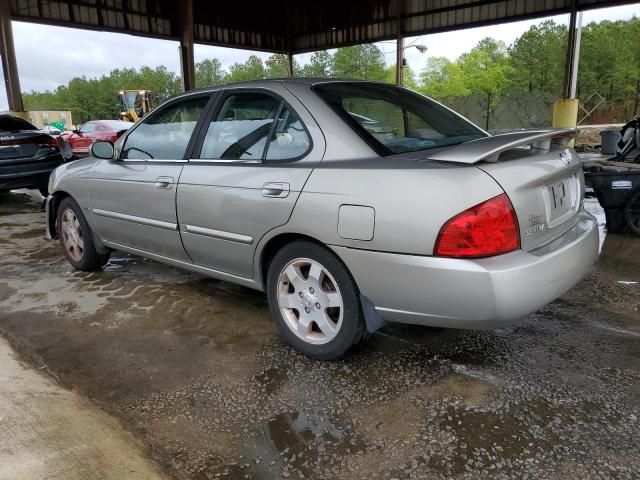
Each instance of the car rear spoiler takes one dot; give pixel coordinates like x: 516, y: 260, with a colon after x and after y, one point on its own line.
x: 488, y: 149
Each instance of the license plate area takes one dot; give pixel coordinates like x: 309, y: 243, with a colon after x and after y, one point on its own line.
x: 10, y: 151
x: 561, y: 198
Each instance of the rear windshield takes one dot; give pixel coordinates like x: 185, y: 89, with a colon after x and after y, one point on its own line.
x: 395, y: 120
x: 9, y: 123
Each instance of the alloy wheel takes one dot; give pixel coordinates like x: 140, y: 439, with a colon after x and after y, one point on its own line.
x: 310, y: 301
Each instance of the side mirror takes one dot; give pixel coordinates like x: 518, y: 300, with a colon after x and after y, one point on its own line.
x: 77, y: 132
x: 103, y: 150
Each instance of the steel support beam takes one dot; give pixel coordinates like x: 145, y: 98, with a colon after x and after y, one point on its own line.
x: 399, y: 47
x: 290, y: 64
x: 572, y: 59
x: 573, y: 87
x: 9, y: 63
x: 186, y: 29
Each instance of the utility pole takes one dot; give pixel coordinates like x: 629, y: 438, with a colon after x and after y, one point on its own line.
x: 9, y: 62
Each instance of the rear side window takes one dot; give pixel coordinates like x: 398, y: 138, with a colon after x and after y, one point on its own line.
x: 254, y: 126
x: 289, y: 138
x: 166, y: 133
x: 10, y: 123
x: 394, y: 120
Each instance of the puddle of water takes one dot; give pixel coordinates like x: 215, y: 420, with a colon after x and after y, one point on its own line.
x: 620, y: 258
x: 299, y: 442
x: 617, y: 330
x: 271, y: 379
x: 479, y: 438
x: 18, y: 201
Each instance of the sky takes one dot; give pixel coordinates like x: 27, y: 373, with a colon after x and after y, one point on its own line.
x: 51, y: 56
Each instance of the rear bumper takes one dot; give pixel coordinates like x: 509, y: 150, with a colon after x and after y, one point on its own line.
x: 483, y: 293
x: 22, y: 175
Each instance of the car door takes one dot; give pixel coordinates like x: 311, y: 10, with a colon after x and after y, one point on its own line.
x: 133, y: 197
x: 253, y: 157
x: 81, y: 141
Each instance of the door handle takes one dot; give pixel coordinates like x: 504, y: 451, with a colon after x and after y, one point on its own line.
x: 275, y: 189
x: 164, y: 182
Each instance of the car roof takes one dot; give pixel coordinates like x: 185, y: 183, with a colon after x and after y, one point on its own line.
x: 284, y: 80
x: 107, y: 121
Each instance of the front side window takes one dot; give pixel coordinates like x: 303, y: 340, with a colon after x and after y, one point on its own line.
x: 254, y: 126
x: 394, y: 120
x: 166, y: 133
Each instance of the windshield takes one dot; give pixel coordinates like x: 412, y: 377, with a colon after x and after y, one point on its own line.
x: 395, y: 120
x: 129, y: 99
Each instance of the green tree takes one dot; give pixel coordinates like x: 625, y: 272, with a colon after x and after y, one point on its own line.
x: 537, y: 58
x: 277, y: 66
x: 209, y: 72
x: 409, y: 77
x: 251, y: 69
x: 97, y: 98
x: 486, y: 68
x: 610, y: 63
x: 364, y: 62
x: 443, y: 79
x: 320, y: 65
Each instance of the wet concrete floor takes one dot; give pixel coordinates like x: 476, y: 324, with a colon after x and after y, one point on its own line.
x: 48, y: 432
x: 195, y: 369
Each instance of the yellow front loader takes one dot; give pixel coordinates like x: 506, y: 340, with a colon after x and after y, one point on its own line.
x: 135, y: 104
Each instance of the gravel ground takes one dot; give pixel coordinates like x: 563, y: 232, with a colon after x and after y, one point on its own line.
x: 194, y: 367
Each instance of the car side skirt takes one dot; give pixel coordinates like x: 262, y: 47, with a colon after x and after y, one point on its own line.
x: 209, y: 272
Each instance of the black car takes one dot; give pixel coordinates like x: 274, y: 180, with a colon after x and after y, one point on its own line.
x: 27, y: 155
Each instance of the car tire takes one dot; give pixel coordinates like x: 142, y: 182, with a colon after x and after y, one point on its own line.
x: 76, y: 238
x: 615, y: 221
x: 314, y: 300
x: 632, y: 213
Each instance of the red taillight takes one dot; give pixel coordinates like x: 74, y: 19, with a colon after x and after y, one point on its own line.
x: 52, y: 142
x: 490, y: 228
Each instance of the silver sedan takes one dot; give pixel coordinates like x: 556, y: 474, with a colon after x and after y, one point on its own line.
x: 349, y: 203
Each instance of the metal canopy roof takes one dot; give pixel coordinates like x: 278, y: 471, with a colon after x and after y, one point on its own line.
x: 290, y: 25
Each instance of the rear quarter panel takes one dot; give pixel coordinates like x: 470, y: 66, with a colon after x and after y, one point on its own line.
x: 411, y: 199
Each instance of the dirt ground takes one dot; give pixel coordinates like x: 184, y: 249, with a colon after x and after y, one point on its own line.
x: 194, y: 368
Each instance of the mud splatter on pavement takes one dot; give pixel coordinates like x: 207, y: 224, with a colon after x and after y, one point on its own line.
x: 194, y: 367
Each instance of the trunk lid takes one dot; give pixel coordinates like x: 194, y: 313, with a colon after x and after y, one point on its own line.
x: 20, y: 146
x: 545, y: 189
x: 542, y: 177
